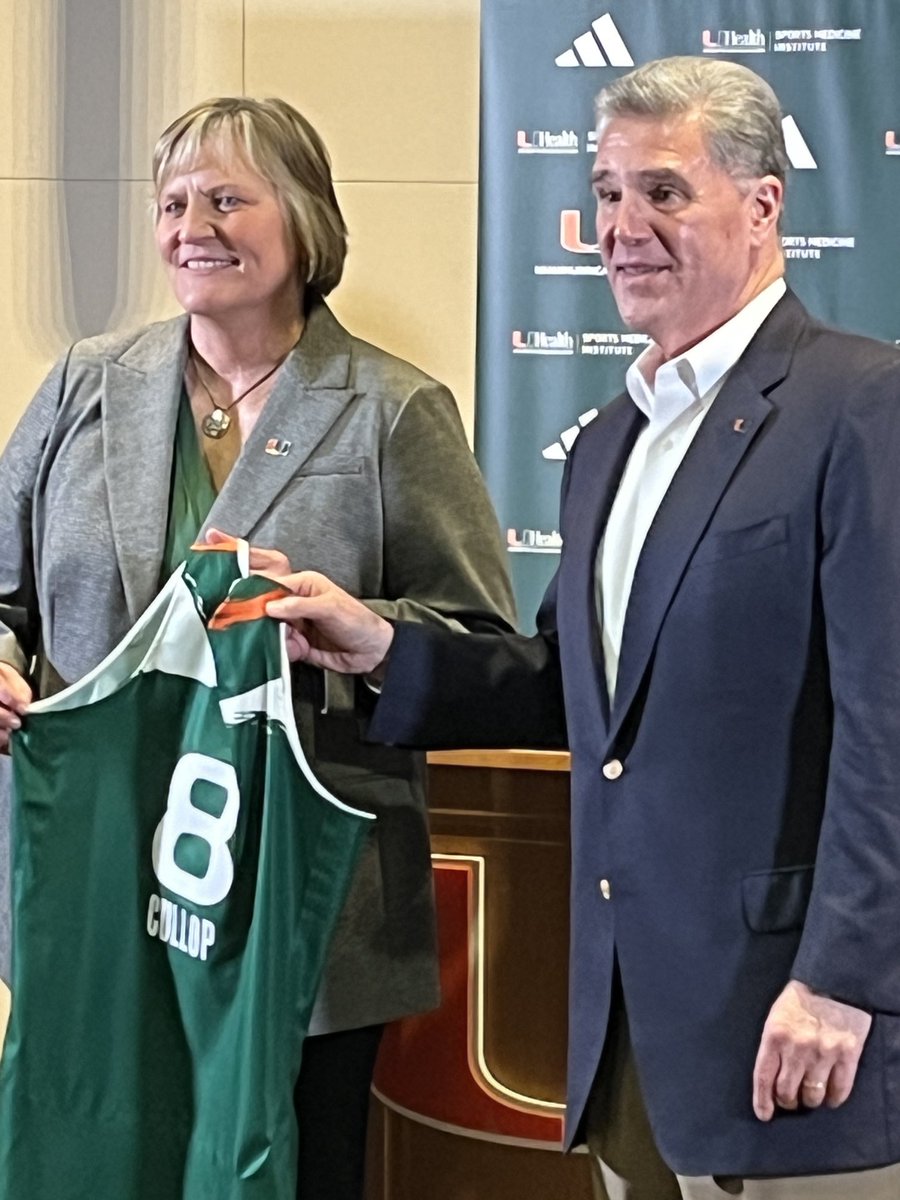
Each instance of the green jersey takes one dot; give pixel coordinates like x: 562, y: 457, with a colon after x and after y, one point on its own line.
x: 177, y: 872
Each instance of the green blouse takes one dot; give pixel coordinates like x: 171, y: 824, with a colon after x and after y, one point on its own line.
x: 192, y: 492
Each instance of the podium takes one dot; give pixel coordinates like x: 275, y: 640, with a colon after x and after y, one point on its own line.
x: 469, y: 1100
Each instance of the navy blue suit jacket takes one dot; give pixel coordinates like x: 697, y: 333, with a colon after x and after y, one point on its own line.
x: 754, y: 834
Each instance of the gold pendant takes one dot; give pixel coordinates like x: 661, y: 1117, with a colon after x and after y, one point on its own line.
x: 216, y: 424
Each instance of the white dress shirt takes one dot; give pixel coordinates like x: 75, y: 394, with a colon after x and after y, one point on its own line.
x: 674, y: 396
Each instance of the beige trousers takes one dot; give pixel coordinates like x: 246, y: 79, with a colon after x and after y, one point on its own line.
x: 628, y: 1166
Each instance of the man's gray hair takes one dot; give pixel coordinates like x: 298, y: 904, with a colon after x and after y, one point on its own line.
x: 740, y: 112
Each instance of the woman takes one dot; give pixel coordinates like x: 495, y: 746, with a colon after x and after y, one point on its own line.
x: 256, y: 413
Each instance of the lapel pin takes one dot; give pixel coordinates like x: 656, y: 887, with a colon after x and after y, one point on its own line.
x: 278, y: 447
x: 738, y: 426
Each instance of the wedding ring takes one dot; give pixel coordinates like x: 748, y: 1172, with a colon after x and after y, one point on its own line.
x: 817, y: 1087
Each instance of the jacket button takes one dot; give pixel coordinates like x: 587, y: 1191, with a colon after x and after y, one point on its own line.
x: 605, y: 889
x: 612, y: 769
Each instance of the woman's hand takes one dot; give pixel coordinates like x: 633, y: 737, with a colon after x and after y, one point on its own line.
x: 15, y: 696
x: 330, y: 628
x: 262, y: 562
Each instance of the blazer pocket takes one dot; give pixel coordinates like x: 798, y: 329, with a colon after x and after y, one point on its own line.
x: 332, y: 464
x: 729, y: 543
x: 776, y: 901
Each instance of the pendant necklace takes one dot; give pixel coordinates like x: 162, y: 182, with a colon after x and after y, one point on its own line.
x: 217, y: 423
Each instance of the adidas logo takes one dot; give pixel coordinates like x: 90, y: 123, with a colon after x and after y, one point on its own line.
x: 603, y: 38
x: 798, y: 152
x: 559, y: 450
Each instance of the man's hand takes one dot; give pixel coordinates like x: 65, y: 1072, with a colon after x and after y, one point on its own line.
x: 809, y: 1052
x: 329, y: 628
x: 15, y: 696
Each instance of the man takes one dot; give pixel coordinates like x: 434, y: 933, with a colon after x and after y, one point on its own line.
x: 726, y: 628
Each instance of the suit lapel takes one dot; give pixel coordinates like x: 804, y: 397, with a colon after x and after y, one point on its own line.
x: 725, y: 436
x: 597, y: 470
x: 141, y: 392
x: 311, y: 393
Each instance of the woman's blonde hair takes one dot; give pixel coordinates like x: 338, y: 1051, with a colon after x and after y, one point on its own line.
x: 281, y: 145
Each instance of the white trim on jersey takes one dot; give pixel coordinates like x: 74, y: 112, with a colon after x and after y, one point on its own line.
x: 171, y: 623
x: 293, y: 737
x: 274, y: 698
x: 179, y: 645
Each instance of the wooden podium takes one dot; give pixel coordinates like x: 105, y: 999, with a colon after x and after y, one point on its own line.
x: 469, y: 1100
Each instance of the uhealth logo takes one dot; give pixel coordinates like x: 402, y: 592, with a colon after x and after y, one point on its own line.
x: 731, y: 41
x: 601, y: 46
x: 545, y: 141
x: 608, y: 344
x: 784, y: 41
x: 533, y: 541
x: 536, y: 341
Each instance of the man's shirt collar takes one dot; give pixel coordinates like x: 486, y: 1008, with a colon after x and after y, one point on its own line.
x: 696, y: 375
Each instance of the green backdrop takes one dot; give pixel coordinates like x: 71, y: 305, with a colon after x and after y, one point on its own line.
x: 551, y: 348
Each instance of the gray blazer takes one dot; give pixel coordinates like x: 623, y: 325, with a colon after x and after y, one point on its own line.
x: 378, y: 490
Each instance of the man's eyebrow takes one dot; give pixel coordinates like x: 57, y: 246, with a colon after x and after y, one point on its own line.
x: 649, y: 178
x: 664, y: 175
x: 600, y: 176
